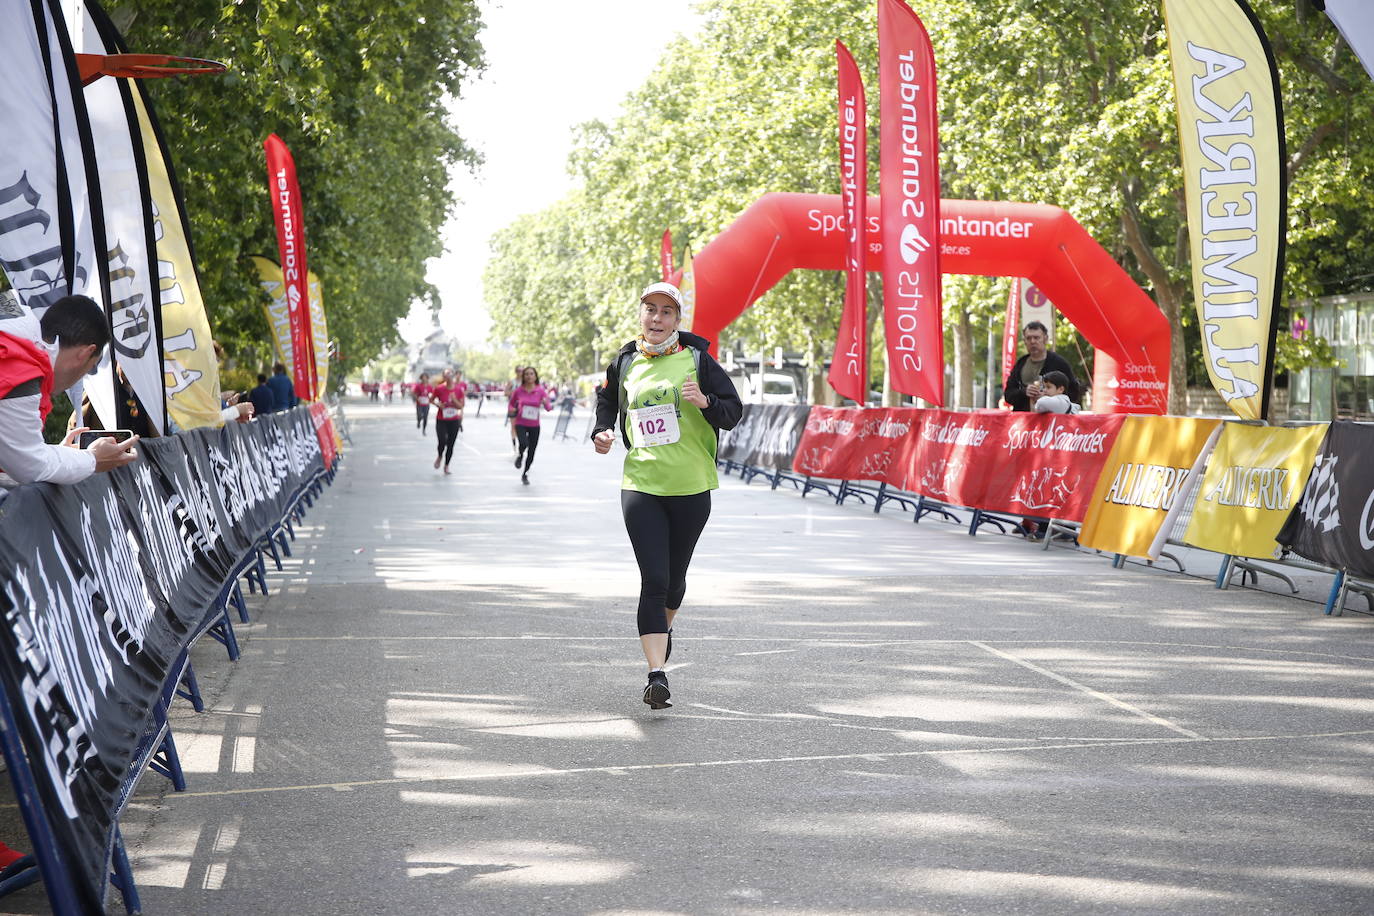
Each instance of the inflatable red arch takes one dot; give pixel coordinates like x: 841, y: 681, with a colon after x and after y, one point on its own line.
x: 780, y: 233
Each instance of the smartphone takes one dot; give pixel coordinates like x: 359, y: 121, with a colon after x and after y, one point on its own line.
x: 90, y: 435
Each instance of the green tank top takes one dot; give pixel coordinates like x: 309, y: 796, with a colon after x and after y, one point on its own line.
x: 684, y: 467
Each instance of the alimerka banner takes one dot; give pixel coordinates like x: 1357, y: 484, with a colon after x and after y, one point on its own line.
x: 1146, y: 472
x: 1333, y: 524
x: 1255, y: 478
x: 52, y: 240
x: 135, y: 316
x: 852, y: 443
x: 286, y: 209
x: 910, y: 182
x: 104, y: 583
x: 849, y: 366
x: 1230, y: 125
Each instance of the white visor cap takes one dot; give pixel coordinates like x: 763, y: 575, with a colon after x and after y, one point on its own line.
x: 667, y: 289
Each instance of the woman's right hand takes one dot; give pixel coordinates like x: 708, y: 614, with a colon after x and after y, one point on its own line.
x: 603, y: 441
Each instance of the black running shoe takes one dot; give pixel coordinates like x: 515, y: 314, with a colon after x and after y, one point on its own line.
x: 525, y: 479
x: 518, y: 459
x: 656, y: 691
x: 669, y: 654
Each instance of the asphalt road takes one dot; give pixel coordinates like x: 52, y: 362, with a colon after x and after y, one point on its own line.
x: 437, y: 711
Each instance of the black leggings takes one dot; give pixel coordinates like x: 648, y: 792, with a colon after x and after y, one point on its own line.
x: 447, y: 431
x: 422, y: 416
x: 528, y: 437
x: 663, y: 531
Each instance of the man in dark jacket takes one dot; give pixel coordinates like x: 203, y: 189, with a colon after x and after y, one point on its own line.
x: 283, y: 393
x: 1022, y: 387
x: 264, y: 401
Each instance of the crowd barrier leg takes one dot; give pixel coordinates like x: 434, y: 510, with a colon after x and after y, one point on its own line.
x: 272, y: 549
x: 123, y: 877
x: 1337, y: 592
x: 167, y: 762
x: 882, y: 494
x: 261, y: 568
x: 224, y: 633
x: 239, y: 603
x: 1224, y: 574
x: 192, y: 689
x: 281, y: 537
x: 19, y: 874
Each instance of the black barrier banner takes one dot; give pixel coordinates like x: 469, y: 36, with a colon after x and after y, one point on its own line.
x: 766, y: 436
x: 103, y: 583
x: 1334, y: 522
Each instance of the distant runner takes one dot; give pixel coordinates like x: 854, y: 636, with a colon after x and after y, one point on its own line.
x: 449, y: 420
x: 421, y: 393
x: 669, y: 398
x: 523, y: 408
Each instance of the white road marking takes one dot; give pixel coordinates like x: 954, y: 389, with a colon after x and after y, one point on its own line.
x: 747, y: 761
x: 1083, y: 688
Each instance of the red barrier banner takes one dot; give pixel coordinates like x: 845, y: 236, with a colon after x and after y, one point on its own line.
x: 1043, y: 465
x: 1040, y: 465
x: 324, y: 431
x: 286, y: 208
x: 909, y: 177
x: 847, y: 443
x: 849, y: 367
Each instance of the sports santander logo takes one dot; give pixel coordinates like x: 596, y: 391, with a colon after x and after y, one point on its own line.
x: 913, y: 243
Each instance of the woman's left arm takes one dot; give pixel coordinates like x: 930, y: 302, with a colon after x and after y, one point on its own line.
x: 725, y: 407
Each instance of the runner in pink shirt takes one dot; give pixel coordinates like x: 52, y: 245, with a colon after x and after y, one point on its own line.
x: 525, y: 401
x: 421, y: 392
x: 449, y: 421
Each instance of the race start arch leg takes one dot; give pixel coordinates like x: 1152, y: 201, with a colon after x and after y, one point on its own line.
x: 782, y: 232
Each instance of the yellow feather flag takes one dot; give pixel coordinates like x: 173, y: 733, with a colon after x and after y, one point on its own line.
x: 319, y: 328
x: 1230, y: 126
x: 277, y: 311
x: 688, y: 288
x: 190, y: 370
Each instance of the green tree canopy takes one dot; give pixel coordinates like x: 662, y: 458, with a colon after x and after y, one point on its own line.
x: 1050, y: 101
x: 358, y: 91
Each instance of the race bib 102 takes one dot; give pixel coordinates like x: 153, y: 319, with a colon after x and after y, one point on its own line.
x: 657, y: 425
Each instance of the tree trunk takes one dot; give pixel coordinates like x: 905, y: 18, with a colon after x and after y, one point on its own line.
x: 963, y: 358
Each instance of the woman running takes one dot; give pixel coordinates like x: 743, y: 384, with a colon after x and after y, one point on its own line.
x: 669, y: 398
x: 523, y: 409
x: 421, y: 393
x: 449, y: 420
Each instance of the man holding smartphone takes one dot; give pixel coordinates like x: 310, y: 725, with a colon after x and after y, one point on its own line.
x: 36, y: 359
x: 1023, y: 386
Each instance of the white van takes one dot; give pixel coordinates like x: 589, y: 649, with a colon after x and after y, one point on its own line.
x: 778, y: 388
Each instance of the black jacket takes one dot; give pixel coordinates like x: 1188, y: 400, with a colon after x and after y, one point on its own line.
x: 1014, y: 392
x: 723, y: 411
